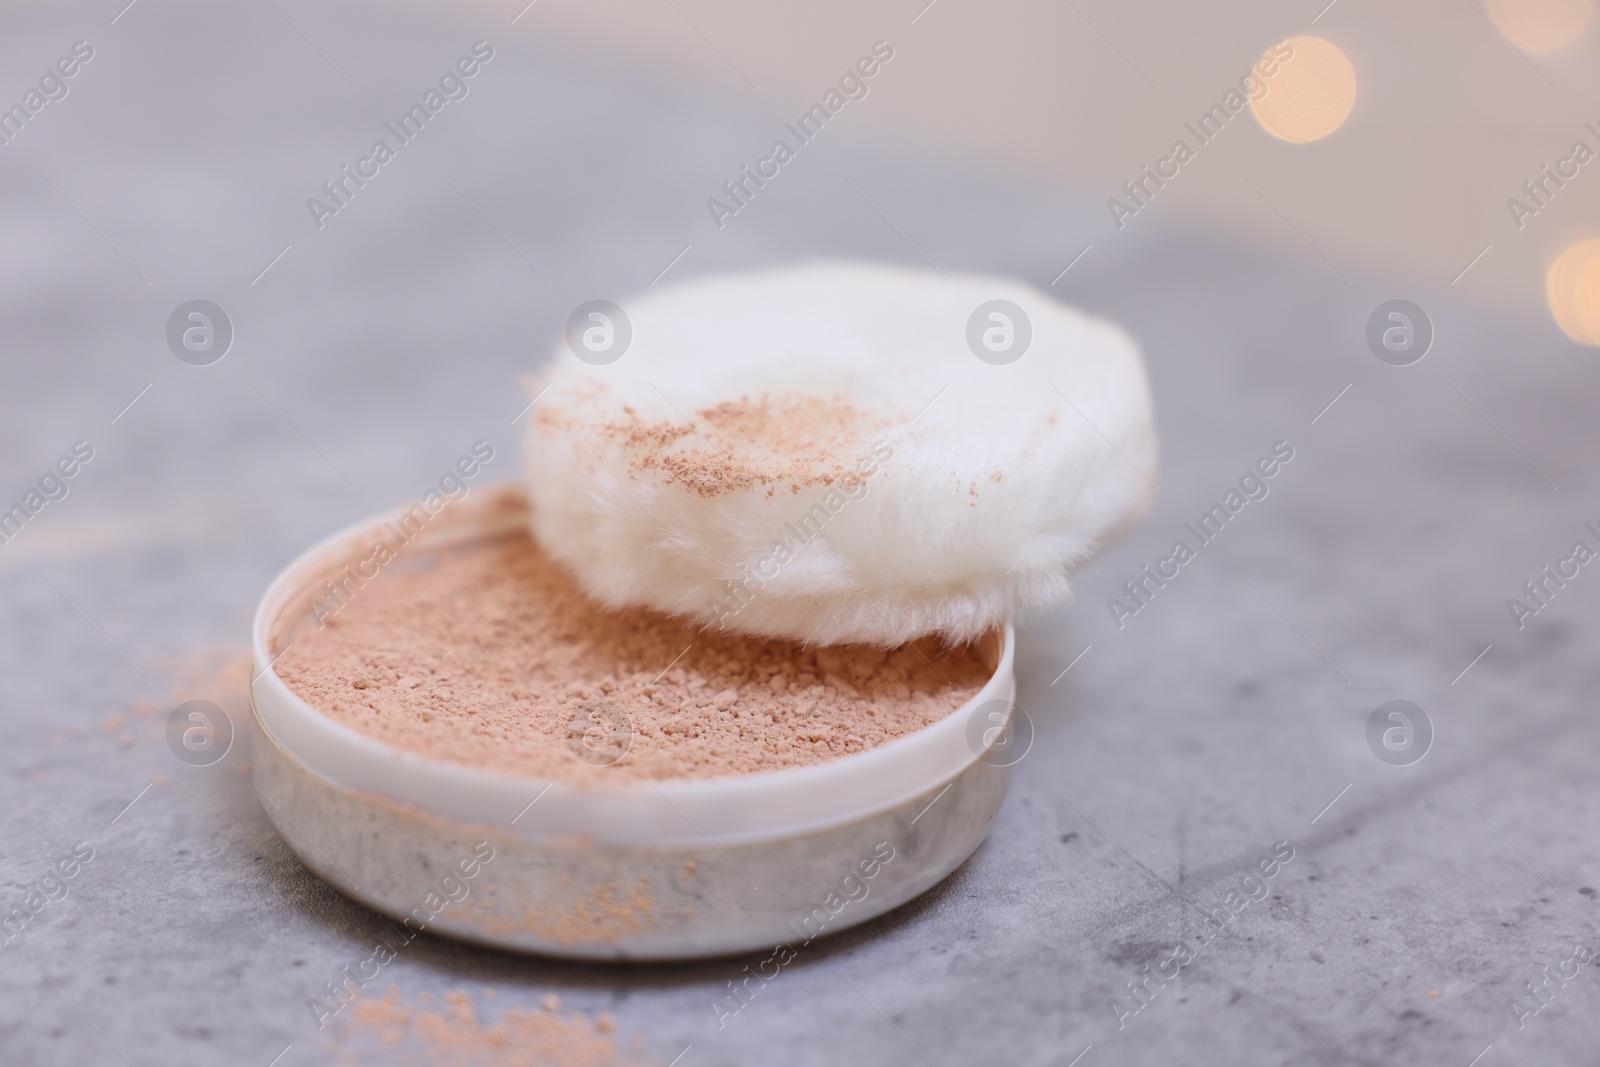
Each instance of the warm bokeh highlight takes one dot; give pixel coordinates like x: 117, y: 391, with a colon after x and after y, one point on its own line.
x: 1574, y: 291
x: 1312, y: 93
x: 1541, y: 26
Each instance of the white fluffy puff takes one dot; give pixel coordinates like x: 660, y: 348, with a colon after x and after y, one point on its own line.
x: 816, y: 453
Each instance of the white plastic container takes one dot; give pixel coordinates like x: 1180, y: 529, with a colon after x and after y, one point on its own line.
x: 637, y: 870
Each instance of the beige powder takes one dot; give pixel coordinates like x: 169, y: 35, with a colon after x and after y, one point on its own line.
x: 487, y: 653
x: 456, y: 1034
x: 765, y: 443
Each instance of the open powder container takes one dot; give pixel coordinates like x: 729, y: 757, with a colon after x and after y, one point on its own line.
x: 636, y: 869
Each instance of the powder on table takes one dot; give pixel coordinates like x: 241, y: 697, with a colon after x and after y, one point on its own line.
x: 455, y: 1034
x: 487, y: 653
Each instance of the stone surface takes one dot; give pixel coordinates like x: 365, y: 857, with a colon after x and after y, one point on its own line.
x: 1220, y: 720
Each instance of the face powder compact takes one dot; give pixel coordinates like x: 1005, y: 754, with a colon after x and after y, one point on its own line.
x: 732, y: 666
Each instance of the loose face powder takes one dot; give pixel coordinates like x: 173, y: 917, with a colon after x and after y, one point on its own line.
x: 485, y: 652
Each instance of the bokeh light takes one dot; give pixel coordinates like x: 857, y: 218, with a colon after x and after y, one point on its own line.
x: 1309, y: 94
x: 1541, y: 26
x: 1574, y: 291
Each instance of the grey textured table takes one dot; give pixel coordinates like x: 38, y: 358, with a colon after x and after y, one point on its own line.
x: 1223, y: 718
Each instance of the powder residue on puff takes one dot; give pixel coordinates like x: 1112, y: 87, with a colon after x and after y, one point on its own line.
x: 488, y: 654
x: 767, y: 442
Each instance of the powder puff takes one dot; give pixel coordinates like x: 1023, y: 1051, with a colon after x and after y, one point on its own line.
x: 840, y: 452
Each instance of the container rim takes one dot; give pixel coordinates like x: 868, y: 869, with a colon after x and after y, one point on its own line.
x: 735, y: 808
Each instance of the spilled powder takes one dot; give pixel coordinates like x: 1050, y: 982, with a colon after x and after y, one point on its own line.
x: 487, y: 653
x: 454, y: 1034
x: 218, y: 674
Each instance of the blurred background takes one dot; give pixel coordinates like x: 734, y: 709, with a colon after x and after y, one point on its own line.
x: 1441, y: 111
x: 359, y: 333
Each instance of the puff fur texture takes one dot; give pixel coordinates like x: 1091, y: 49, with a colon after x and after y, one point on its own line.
x: 816, y: 453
